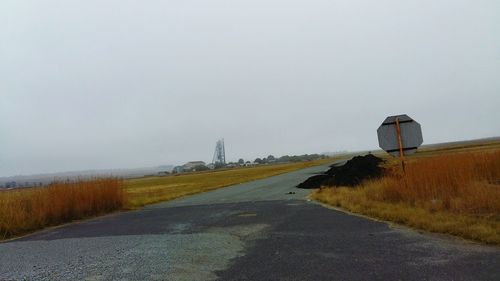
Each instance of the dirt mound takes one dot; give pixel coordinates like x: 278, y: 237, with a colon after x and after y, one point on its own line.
x: 351, y: 173
x: 314, y: 181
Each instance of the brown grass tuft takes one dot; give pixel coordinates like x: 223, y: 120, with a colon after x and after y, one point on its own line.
x: 25, y: 210
x: 460, y: 183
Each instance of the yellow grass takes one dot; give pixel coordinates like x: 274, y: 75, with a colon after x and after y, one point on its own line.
x: 25, y: 210
x: 150, y: 190
x: 455, y: 193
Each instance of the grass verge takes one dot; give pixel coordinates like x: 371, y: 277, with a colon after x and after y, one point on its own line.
x: 150, y: 190
x: 25, y: 210
x: 453, y: 193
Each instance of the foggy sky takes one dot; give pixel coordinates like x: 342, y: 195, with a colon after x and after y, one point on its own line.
x: 117, y: 84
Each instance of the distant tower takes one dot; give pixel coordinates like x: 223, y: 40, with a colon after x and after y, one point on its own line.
x: 219, y: 154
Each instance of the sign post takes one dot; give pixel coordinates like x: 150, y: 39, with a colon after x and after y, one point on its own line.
x: 400, y: 135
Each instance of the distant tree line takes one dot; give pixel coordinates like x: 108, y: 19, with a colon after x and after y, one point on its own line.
x: 284, y: 159
x: 288, y: 158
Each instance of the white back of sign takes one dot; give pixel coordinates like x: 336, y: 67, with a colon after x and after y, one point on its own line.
x: 411, y: 135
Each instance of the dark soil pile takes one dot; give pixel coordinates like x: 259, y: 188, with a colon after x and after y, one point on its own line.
x: 314, y: 181
x: 351, y: 173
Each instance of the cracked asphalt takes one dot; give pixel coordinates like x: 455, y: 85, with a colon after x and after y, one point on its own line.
x: 251, y: 231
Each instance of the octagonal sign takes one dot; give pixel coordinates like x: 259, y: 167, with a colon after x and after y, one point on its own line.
x: 410, y: 134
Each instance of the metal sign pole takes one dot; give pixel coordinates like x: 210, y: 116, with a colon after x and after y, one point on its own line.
x: 400, y: 143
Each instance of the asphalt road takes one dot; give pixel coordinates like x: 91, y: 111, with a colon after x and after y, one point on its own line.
x: 252, y: 231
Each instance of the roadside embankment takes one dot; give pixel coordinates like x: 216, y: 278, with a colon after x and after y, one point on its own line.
x: 453, y: 193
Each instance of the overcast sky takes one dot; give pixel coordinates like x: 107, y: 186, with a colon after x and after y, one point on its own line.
x: 118, y: 84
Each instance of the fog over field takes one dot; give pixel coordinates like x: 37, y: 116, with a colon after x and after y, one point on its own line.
x: 122, y: 84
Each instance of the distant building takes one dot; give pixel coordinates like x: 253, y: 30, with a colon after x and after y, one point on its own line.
x: 190, y: 166
x: 177, y: 169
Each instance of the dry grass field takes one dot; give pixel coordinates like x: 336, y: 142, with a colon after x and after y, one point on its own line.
x: 150, y: 190
x: 454, y: 191
x: 25, y: 210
